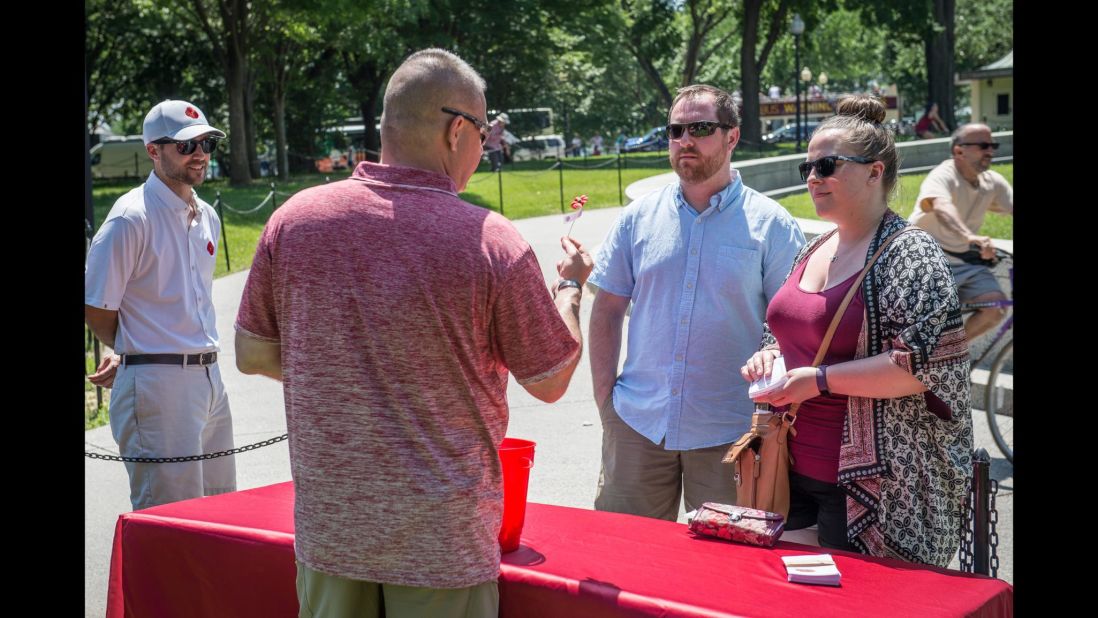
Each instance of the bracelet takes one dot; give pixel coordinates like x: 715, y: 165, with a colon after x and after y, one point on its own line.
x: 568, y: 283
x: 821, y: 380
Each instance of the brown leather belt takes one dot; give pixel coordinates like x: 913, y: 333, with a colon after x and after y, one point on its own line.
x: 206, y: 358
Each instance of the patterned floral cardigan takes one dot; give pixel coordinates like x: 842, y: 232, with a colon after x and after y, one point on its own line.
x: 905, y: 470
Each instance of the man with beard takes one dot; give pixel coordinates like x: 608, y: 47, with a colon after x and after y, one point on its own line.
x: 699, y: 259
x: 147, y: 294
x: 952, y: 202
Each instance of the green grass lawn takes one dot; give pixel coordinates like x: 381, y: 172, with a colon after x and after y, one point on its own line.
x: 530, y: 189
x: 995, y: 225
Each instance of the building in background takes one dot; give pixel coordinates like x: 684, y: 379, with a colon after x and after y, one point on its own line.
x: 992, y: 93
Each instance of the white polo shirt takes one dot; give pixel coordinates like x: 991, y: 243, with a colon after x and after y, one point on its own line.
x: 154, y: 267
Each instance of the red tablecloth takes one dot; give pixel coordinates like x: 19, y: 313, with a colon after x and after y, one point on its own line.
x: 232, y: 555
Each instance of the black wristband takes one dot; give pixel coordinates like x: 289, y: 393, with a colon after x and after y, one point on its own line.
x: 821, y: 380
x: 568, y: 283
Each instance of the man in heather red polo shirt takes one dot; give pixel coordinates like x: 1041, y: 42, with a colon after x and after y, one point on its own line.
x: 393, y: 312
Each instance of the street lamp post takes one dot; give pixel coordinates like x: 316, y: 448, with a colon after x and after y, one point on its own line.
x: 806, y: 77
x: 797, y: 29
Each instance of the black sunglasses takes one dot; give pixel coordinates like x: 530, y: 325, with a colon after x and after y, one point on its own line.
x: 185, y: 148
x: 477, y: 122
x: 982, y: 145
x: 703, y: 128
x: 825, y: 166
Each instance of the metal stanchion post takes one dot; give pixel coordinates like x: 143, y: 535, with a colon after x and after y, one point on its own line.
x: 560, y: 166
x: 274, y: 198
x: 621, y: 200
x: 981, y: 492
x: 499, y: 176
x: 224, y: 234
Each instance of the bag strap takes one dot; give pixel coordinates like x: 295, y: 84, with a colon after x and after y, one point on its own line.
x: 826, y: 343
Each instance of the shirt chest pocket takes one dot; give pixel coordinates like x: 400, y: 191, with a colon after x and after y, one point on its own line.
x: 738, y: 268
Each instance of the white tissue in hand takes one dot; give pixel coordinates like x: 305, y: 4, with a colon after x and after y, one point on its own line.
x: 765, y: 385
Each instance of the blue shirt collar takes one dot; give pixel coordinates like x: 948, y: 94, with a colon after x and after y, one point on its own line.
x: 721, y: 199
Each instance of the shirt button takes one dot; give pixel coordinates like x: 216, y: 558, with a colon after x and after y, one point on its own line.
x: 689, y: 285
x: 683, y: 321
x: 678, y: 357
x: 674, y: 391
x: 693, y: 252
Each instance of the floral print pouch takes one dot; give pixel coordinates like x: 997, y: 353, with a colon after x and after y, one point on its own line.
x: 737, y: 523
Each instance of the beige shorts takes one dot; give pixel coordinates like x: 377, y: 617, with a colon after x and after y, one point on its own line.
x: 642, y: 478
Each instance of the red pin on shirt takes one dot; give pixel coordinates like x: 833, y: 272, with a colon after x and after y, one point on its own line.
x: 210, y: 247
x: 577, y: 205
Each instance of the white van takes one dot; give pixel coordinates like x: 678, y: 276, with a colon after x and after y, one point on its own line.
x: 120, y: 157
x: 538, y: 147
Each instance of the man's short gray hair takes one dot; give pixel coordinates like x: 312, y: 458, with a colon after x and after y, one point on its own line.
x: 424, y: 83
x: 958, y: 135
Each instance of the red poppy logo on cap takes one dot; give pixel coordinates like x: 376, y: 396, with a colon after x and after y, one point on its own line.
x: 210, y: 247
x: 190, y: 111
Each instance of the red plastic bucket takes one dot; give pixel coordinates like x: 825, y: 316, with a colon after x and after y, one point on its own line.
x: 516, y: 457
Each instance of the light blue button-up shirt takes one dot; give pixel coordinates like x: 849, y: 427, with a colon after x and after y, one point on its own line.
x: 700, y: 284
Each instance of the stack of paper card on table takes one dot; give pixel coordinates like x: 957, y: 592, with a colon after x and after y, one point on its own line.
x: 817, y: 569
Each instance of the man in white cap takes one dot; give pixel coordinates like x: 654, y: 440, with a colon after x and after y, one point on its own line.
x: 147, y: 295
x: 495, y: 145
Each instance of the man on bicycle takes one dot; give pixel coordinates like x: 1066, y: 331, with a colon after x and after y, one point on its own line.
x: 951, y: 206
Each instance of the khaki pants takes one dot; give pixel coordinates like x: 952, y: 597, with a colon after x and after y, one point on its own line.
x: 642, y: 478
x: 173, y: 411
x: 321, y: 595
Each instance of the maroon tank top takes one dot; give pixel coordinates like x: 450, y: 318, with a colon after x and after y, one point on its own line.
x: 799, y: 321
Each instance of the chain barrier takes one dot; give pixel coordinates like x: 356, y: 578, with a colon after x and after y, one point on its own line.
x: 248, y: 212
x: 482, y: 178
x: 589, y: 167
x: 537, y: 172
x: 241, y: 449
x: 646, y: 163
x: 993, y: 535
x: 965, y: 551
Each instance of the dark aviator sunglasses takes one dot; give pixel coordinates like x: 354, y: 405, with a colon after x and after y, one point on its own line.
x: 825, y: 166
x: 982, y: 145
x: 185, y: 148
x: 703, y: 128
x: 477, y: 122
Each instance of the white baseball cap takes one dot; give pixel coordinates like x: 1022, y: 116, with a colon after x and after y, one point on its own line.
x: 505, y: 118
x: 178, y: 120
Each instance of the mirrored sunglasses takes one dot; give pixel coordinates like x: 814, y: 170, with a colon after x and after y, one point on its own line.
x: 703, y: 128
x: 185, y: 148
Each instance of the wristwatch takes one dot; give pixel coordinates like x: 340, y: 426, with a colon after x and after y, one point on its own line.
x: 821, y: 380
x: 568, y: 283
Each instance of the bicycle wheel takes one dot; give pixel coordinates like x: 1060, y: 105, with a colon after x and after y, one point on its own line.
x: 999, y: 400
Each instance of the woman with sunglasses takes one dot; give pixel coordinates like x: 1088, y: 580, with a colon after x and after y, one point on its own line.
x: 882, y: 448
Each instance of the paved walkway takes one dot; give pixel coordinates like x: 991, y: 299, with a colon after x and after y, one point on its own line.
x: 568, y: 433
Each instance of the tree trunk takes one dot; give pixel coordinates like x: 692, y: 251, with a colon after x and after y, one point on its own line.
x: 368, y: 109
x: 280, y: 135
x: 239, y: 174
x: 939, y: 62
x: 751, y: 128
x: 249, y: 115
x: 654, y: 76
